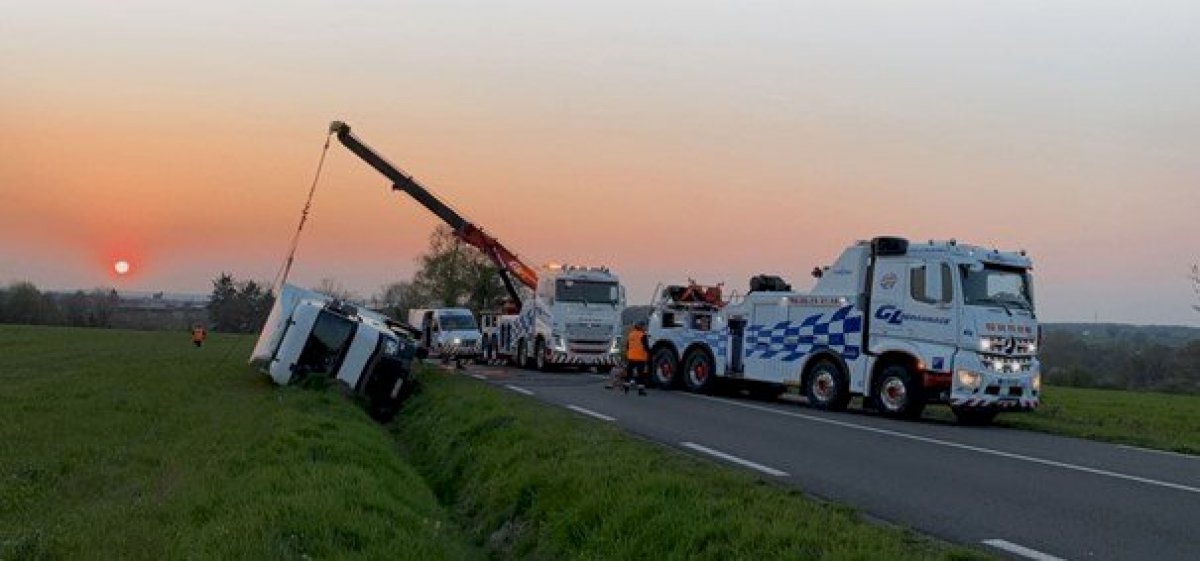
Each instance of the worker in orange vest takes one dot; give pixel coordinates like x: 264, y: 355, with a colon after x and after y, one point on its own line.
x: 198, y: 335
x: 637, y: 354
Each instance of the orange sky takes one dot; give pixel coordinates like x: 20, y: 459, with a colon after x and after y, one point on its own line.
x: 666, y: 140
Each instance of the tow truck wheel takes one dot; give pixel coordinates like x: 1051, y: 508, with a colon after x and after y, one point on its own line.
x: 539, y: 355
x: 698, y: 371
x: 664, y: 369
x: 826, y: 386
x: 897, y: 392
x: 975, y: 417
x: 522, y: 355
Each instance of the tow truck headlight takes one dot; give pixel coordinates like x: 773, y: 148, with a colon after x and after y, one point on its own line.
x: 1036, y: 382
x: 615, y: 347
x: 391, y: 346
x: 457, y: 341
x: 985, y: 344
x: 558, y: 343
x: 968, y: 379
x: 1032, y: 348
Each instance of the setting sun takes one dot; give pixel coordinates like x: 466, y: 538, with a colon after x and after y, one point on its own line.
x: 121, y: 267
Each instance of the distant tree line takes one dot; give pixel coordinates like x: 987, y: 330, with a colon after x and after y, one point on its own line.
x: 22, y: 302
x: 1133, y: 361
x: 238, y: 306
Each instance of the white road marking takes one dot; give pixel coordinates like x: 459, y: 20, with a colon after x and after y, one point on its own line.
x: 960, y: 446
x: 479, y: 376
x: 735, y: 459
x: 1167, y: 452
x: 591, y: 413
x: 1021, y: 550
x: 518, y: 389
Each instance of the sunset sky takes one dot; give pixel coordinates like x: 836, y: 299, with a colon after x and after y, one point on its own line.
x: 668, y: 140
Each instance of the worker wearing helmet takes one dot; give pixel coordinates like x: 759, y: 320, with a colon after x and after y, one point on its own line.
x: 637, y: 354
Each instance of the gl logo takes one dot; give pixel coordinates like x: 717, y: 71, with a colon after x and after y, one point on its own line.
x: 890, y: 314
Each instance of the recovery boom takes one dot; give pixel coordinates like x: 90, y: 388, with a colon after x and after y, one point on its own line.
x: 509, y: 264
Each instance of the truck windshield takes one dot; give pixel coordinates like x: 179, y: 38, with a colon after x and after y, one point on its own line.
x: 326, y: 345
x: 997, y: 286
x: 592, y: 292
x: 457, y: 322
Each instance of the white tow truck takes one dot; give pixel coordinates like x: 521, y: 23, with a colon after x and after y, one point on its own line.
x: 573, y: 319
x: 309, y: 334
x: 450, y: 334
x: 900, y: 324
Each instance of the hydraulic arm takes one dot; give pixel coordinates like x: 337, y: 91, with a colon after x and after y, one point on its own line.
x: 509, y: 265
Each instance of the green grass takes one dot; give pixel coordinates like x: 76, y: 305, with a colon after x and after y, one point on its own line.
x: 529, y: 481
x: 129, y: 445
x: 1153, y: 420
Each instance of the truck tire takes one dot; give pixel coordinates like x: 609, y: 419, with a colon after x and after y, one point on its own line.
x: 539, y: 356
x: 975, y: 417
x: 898, y: 392
x: 826, y: 386
x: 699, y: 372
x: 522, y: 355
x: 664, y: 369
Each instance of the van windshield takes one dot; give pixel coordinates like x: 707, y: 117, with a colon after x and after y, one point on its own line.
x: 457, y: 322
x: 997, y: 286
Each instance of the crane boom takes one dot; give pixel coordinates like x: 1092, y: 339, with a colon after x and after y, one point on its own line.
x: 506, y: 261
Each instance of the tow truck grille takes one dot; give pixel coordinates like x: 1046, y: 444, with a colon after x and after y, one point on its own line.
x: 589, y: 331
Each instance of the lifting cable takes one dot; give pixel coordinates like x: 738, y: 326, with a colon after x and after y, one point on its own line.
x: 285, y: 269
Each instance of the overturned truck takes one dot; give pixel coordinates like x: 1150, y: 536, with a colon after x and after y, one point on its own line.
x: 312, y: 335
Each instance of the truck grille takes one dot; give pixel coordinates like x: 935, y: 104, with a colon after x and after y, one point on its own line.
x: 589, y: 331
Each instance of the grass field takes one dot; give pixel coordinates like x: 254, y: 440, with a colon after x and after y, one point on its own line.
x: 529, y: 481
x: 1153, y: 420
x: 132, y: 445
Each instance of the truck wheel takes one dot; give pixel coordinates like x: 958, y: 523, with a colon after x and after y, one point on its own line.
x: 699, y: 372
x: 826, y: 386
x: 897, y: 392
x: 664, y: 369
x: 522, y: 355
x: 539, y: 356
x: 975, y: 417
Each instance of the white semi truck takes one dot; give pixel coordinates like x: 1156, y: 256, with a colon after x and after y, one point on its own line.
x: 310, y: 334
x: 450, y: 334
x: 557, y: 316
x: 900, y: 324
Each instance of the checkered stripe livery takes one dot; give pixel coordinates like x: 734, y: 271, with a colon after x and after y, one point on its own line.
x: 788, y: 342
x: 717, y: 341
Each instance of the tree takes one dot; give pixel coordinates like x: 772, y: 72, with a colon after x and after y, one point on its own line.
x: 23, y: 303
x: 396, y: 299
x: 334, y: 289
x: 1195, y: 276
x: 239, y: 307
x: 452, y: 274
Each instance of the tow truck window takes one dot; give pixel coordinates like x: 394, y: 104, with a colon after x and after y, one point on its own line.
x: 997, y: 286
x: 916, y: 285
x: 592, y: 292
x: 326, y: 345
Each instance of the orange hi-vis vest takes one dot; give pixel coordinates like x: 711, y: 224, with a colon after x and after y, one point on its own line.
x: 635, y: 351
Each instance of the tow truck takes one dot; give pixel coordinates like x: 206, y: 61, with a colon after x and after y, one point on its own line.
x: 902, y: 325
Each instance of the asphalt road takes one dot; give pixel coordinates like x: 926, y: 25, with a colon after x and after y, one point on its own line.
x: 1021, y: 494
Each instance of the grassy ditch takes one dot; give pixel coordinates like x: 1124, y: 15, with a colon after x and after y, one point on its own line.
x: 130, y: 445
x: 1149, y: 419
x: 529, y: 481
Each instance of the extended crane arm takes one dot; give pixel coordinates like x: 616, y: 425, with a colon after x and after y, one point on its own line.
x: 507, y: 261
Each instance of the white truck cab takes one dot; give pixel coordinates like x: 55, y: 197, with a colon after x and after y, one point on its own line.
x: 310, y: 334
x: 449, y: 333
x: 572, y: 319
x: 900, y: 324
